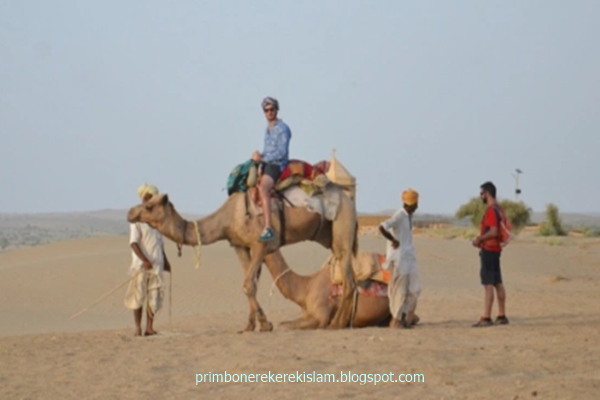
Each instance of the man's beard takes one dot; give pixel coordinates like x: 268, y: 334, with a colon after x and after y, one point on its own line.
x: 484, y: 200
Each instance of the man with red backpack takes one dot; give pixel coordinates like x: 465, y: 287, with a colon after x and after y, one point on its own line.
x: 490, y: 244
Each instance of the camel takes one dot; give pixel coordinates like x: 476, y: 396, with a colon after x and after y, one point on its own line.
x: 240, y: 225
x: 312, y: 294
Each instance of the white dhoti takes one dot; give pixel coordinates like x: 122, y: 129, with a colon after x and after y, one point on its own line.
x: 146, y: 288
x: 404, y: 288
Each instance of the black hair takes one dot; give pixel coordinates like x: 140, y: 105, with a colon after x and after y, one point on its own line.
x: 490, y: 188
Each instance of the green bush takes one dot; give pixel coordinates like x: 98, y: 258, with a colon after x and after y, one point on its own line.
x: 516, y: 212
x: 552, y: 226
x: 591, y: 232
x: 586, y: 231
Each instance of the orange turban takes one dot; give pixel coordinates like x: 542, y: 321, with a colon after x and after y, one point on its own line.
x: 410, y: 197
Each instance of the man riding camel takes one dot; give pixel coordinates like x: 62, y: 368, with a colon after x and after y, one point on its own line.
x: 274, y: 159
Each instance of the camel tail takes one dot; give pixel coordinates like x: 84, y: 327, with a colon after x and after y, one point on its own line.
x: 355, y: 244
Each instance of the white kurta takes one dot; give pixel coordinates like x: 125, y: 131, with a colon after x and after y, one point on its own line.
x: 151, y: 243
x: 405, y: 285
x: 147, y: 287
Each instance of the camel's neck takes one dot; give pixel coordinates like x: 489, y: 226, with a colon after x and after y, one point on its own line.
x: 291, y: 285
x: 211, y: 228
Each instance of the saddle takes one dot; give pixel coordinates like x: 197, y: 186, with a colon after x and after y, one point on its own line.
x: 310, y: 178
x: 299, y: 181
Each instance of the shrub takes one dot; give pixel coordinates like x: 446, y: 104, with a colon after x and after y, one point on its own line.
x: 591, y: 232
x: 552, y: 226
x: 586, y: 231
x: 516, y: 212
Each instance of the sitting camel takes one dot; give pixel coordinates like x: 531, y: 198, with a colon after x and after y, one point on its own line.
x: 239, y: 224
x: 314, y: 295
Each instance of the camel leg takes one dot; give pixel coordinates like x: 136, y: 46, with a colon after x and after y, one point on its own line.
x: 259, y: 251
x: 301, y: 323
x: 255, y: 308
x: 343, y: 246
x: 322, y: 318
x: 343, y: 313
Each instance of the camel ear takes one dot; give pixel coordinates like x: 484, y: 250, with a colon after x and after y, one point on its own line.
x: 165, y: 199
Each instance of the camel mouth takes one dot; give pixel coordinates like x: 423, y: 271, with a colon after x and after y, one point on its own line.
x: 133, y: 216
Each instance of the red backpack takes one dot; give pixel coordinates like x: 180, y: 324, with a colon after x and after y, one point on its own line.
x: 505, y: 234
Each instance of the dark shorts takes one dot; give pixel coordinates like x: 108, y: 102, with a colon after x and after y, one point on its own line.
x: 272, y: 170
x: 490, y: 267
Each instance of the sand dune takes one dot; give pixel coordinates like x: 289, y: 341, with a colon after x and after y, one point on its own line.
x: 551, y: 349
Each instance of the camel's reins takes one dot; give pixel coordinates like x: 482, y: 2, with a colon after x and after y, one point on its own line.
x: 197, y: 249
x: 276, y: 279
x: 170, y: 296
x: 121, y: 285
x: 106, y: 295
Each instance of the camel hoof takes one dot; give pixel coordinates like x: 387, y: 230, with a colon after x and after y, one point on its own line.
x: 337, y: 324
x: 249, y: 328
x: 334, y: 325
x: 266, y: 327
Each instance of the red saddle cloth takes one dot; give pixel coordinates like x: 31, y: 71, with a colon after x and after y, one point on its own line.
x: 302, y: 170
x: 295, y: 172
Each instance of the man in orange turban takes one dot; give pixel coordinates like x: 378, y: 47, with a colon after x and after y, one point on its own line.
x: 405, y: 285
x: 410, y: 197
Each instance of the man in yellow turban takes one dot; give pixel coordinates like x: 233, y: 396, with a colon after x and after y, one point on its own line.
x: 146, y: 189
x: 148, y: 263
x: 405, y: 285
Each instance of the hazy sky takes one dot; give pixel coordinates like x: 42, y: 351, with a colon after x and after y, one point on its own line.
x: 99, y: 97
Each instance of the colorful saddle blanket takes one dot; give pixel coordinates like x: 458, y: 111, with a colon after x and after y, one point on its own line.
x: 246, y: 175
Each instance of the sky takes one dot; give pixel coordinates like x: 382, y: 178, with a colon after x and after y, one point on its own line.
x: 97, y: 98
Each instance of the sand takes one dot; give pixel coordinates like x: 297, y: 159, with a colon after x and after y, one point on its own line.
x: 550, y: 350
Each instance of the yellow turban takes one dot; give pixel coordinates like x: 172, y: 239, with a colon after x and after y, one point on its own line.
x: 410, y: 197
x: 145, y: 189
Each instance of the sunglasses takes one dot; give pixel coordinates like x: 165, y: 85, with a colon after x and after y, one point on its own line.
x: 268, y: 109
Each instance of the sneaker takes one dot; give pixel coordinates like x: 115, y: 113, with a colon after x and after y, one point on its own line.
x: 501, y: 320
x: 267, y: 235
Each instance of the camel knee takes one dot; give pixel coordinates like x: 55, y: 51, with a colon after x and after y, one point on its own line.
x: 322, y: 323
x: 249, y: 288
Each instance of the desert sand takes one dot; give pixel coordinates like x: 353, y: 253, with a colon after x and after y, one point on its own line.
x: 550, y: 350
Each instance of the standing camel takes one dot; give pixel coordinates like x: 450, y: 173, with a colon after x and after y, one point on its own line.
x: 312, y: 293
x: 237, y: 222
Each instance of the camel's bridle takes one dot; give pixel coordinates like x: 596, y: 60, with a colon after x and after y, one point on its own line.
x: 197, y: 250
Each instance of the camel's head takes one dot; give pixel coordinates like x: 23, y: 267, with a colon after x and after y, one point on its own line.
x: 154, y: 211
